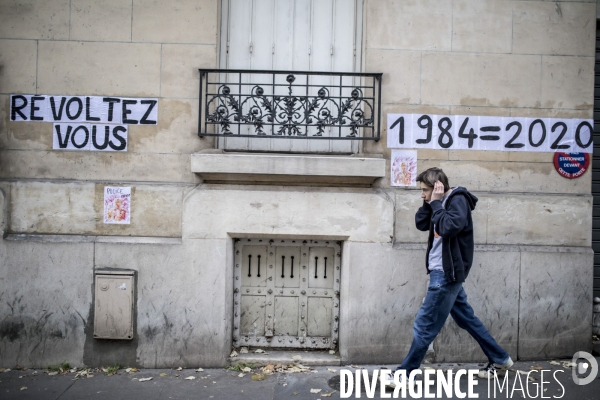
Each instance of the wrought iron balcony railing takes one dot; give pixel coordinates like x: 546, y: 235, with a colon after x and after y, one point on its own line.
x: 290, y: 104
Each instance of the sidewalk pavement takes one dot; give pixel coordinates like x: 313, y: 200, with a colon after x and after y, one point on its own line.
x: 320, y: 382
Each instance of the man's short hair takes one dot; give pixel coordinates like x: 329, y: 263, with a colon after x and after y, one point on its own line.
x: 431, y: 175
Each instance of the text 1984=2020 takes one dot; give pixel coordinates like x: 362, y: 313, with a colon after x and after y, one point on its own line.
x: 460, y: 132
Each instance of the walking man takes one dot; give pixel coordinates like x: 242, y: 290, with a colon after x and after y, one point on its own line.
x: 446, y: 214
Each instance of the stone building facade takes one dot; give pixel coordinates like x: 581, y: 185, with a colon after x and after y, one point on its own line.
x: 192, y: 201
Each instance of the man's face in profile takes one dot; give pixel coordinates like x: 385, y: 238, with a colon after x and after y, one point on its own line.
x: 426, y: 192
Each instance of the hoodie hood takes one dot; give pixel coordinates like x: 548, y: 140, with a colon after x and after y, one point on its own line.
x: 471, y: 199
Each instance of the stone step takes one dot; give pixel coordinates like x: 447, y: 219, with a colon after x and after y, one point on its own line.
x: 307, y: 357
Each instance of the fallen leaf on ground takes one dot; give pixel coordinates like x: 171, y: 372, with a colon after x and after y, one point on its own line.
x: 199, y: 370
x: 295, y: 393
x: 52, y: 373
x: 333, y: 371
x: 246, y: 369
x: 554, y: 362
x: 355, y: 366
x: 315, y: 390
x: 268, y: 369
x: 243, y: 350
x: 190, y: 378
x: 145, y: 379
x: 23, y: 387
x: 162, y: 374
x: 241, y: 375
x: 327, y: 394
x: 259, y: 351
x: 568, y: 364
x: 331, y: 351
x: 179, y: 369
x: 233, y: 354
x: 258, y: 377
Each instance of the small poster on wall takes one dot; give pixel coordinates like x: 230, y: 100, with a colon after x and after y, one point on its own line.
x: 117, y: 205
x: 404, y: 168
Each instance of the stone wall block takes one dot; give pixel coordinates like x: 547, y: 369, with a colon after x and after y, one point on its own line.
x: 109, y: 20
x: 186, y: 21
x: 22, y: 135
x: 554, y: 322
x: 98, y: 166
x: 44, y: 207
x: 401, y: 74
x: 409, y: 24
x: 195, y: 313
x: 568, y: 82
x: 44, y: 323
x: 34, y: 19
x: 179, y: 71
x: 540, y: 220
x: 4, y: 207
x: 395, y: 280
x: 513, y: 220
x: 557, y: 28
x: 492, y: 289
x: 491, y: 80
x: 99, y: 68
x: 482, y: 26
x: 359, y: 215
x: 176, y: 131
x: 155, y: 211
x: 77, y: 209
x: 18, y: 65
x: 520, y: 177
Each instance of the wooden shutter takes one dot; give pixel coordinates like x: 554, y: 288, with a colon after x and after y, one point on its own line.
x: 300, y: 35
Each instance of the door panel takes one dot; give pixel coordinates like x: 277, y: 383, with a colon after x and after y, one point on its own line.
x: 319, y: 316
x: 254, y: 260
x: 287, y: 260
x: 298, y: 310
x: 253, y: 315
x: 321, y: 267
x: 286, y: 316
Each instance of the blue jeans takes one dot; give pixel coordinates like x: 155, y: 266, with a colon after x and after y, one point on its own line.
x: 443, y: 298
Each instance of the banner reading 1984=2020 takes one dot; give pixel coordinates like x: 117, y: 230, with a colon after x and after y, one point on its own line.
x: 461, y: 132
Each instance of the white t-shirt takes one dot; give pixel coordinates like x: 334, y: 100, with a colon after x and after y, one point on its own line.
x: 435, y: 254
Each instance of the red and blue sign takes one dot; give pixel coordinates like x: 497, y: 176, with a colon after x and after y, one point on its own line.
x: 571, y: 165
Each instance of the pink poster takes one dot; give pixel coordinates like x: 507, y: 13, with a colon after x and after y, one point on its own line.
x: 404, y: 168
x: 117, y: 205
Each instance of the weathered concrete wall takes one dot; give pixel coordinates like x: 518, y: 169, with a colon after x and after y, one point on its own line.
x: 467, y: 57
x: 45, y: 297
x: 184, y: 302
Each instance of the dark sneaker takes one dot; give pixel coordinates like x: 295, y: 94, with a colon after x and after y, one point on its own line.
x: 498, y: 369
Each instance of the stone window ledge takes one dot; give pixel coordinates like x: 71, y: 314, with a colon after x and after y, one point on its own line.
x: 288, y: 169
